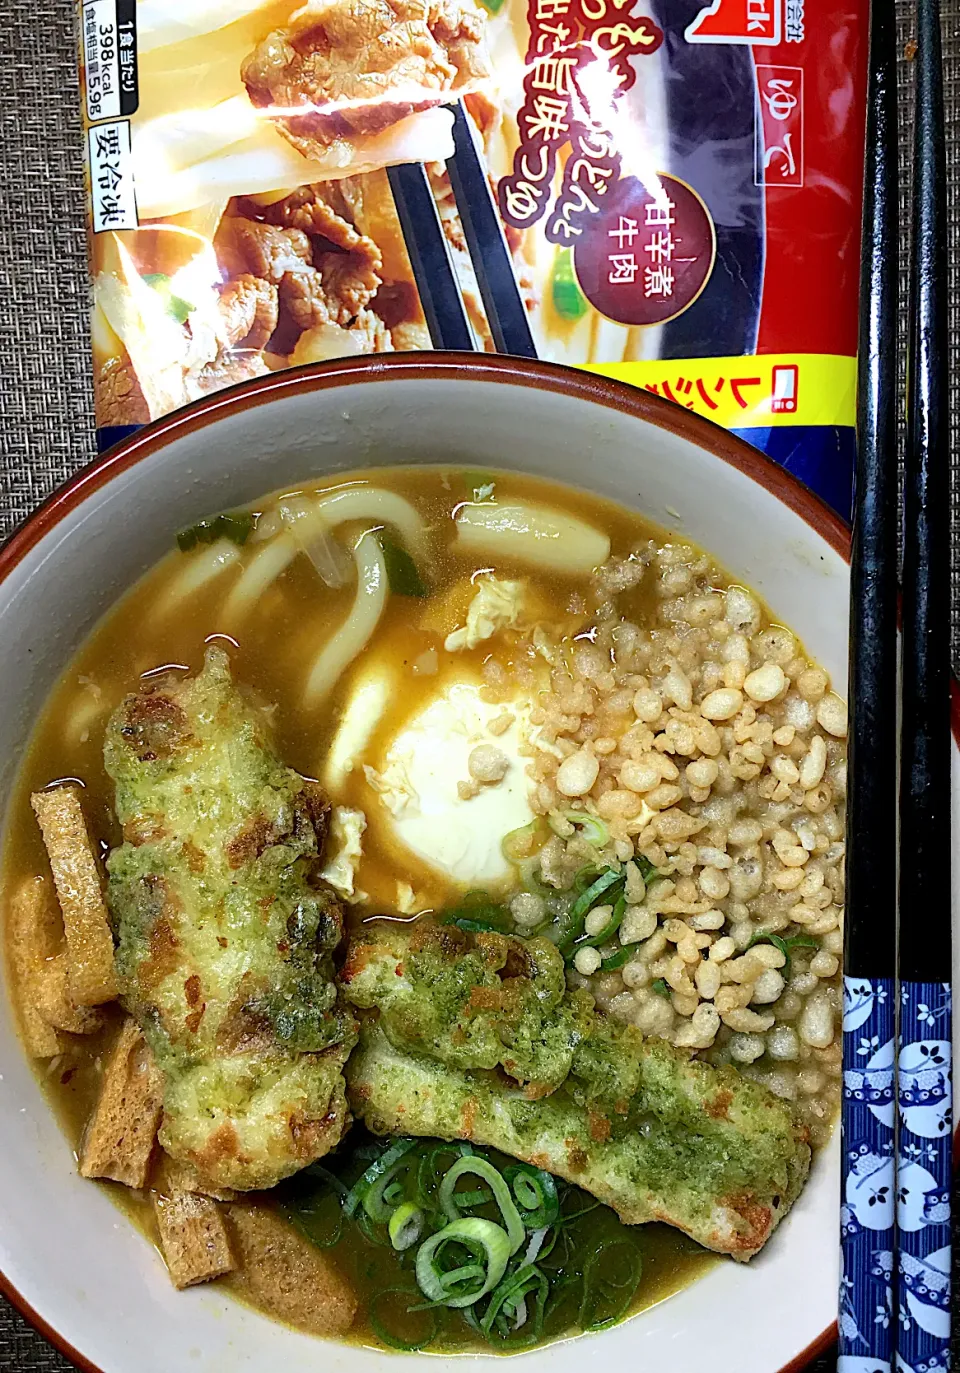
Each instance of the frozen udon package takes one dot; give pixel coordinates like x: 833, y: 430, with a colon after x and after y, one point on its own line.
x: 675, y: 185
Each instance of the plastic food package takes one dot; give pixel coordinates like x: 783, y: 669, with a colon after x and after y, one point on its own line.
x: 677, y: 185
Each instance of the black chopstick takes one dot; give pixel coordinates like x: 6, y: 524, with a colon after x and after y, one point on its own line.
x: 487, y: 245
x: 867, y: 1113
x: 430, y: 258
x: 925, y: 945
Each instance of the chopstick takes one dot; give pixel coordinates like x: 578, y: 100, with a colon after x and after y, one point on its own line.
x: 925, y: 944
x: 869, y: 999
x: 440, y: 291
x: 486, y: 243
x: 430, y: 258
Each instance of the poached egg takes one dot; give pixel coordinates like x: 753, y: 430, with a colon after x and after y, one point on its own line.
x: 411, y: 794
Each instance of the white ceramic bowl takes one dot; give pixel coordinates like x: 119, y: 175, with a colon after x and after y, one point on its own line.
x: 67, y: 1256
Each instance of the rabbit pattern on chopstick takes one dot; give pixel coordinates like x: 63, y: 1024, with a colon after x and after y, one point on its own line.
x: 923, y: 1209
x: 867, y: 1207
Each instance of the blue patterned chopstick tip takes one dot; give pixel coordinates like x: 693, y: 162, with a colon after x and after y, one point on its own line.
x: 867, y: 1211
x: 924, y: 1176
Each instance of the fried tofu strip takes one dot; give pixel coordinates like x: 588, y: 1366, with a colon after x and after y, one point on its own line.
x: 123, y: 1128
x: 476, y: 1037
x: 33, y: 926
x: 173, y: 1175
x: 56, y: 1004
x: 287, y: 1275
x: 40, y: 971
x: 193, y: 1238
x: 90, y: 971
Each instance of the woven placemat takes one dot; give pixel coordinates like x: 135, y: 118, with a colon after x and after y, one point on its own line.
x: 46, y: 412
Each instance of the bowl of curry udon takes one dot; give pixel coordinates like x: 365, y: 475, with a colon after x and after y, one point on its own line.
x: 423, y: 883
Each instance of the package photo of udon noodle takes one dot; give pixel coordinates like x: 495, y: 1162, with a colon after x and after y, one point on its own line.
x: 674, y: 188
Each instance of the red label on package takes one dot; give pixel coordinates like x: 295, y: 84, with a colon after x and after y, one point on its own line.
x: 779, y: 126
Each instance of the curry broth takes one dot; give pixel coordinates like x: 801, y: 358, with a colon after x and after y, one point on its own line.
x: 149, y: 632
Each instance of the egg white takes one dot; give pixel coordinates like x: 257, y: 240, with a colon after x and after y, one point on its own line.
x: 460, y: 839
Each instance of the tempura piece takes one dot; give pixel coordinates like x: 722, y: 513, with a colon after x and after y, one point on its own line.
x: 287, y: 1275
x: 489, y: 1002
x: 90, y: 968
x: 193, y: 1238
x: 226, y: 931
x: 119, y: 1140
x: 647, y: 1130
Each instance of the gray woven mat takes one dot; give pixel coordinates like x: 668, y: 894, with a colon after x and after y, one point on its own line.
x: 46, y: 412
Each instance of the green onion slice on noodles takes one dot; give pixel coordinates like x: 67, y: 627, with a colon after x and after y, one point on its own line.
x: 480, y: 1168
x: 535, y: 1192
x: 486, y: 1242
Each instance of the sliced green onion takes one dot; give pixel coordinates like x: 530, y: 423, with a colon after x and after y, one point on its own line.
x: 393, y: 1195
x: 402, y: 572
x: 431, y: 1171
x: 501, y: 1195
x: 318, y: 1217
x: 568, y: 1216
x: 518, y: 839
x: 578, y: 911
x: 478, y: 1198
x: 510, y: 1294
x: 542, y: 1244
x: 617, y: 960
x: 647, y: 871
x: 405, y: 1226
x: 563, y: 1304
x: 592, y: 829
x: 611, y: 1276
x: 371, y: 1231
x: 595, y: 890
x: 317, y: 1170
x: 382, y: 1197
x: 482, y: 1238
x: 584, y: 877
x: 786, y: 946
x: 471, y: 926
x: 453, y: 1277
x: 594, y: 941
x: 373, y: 1149
x: 389, y: 1336
x: 536, y: 1195
x: 380, y: 1174
x: 660, y: 987
x: 237, y: 528
x: 476, y: 480
x: 478, y: 913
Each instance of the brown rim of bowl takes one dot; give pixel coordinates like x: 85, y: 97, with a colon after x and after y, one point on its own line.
x: 491, y: 367
x: 586, y: 386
